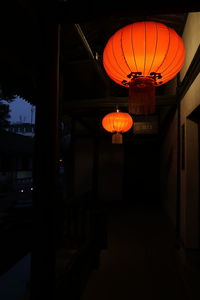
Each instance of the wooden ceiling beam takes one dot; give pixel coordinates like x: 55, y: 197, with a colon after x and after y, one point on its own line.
x: 67, y: 11
x: 92, y: 55
x: 111, y: 102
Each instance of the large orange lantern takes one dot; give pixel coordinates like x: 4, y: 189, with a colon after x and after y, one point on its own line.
x: 117, y: 123
x: 141, y: 56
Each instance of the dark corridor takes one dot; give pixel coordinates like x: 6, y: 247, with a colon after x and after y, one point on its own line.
x: 140, y: 261
x: 141, y: 171
x: 102, y: 221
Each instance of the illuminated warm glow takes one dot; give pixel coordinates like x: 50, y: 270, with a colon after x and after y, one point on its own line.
x: 117, y: 122
x: 144, y: 47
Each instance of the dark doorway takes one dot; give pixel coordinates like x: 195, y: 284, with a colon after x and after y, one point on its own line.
x: 141, y: 171
x: 195, y: 117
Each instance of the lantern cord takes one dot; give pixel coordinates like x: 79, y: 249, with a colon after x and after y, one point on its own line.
x: 117, y: 108
x: 141, y: 99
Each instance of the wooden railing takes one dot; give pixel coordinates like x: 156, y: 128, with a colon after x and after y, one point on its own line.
x: 84, y: 237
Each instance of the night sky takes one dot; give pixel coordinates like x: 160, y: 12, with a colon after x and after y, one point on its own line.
x: 21, y: 111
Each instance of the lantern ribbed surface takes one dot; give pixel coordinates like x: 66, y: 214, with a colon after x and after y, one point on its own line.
x: 117, y: 122
x: 144, y: 47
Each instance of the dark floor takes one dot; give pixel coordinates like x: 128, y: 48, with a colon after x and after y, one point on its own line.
x: 141, y: 259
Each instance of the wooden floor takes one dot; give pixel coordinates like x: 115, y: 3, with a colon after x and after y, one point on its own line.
x: 141, y: 260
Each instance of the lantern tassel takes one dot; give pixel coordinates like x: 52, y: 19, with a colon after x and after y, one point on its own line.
x: 141, y: 99
x: 117, y: 138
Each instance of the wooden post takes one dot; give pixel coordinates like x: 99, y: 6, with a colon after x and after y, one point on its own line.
x: 45, y: 169
x: 179, y: 163
x: 95, y: 170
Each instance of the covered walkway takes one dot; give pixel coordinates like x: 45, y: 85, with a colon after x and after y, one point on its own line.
x: 141, y: 260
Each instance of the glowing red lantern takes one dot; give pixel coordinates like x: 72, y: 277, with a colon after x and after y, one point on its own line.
x: 117, y: 123
x: 141, y: 56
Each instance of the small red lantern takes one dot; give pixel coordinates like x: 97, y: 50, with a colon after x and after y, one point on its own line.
x: 117, y: 123
x: 141, y: 56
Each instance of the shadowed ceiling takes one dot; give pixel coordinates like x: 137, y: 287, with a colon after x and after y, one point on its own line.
x: 85, y: 88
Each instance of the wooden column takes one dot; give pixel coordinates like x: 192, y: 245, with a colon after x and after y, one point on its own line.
x: 178, y: 182
x: 45, y: 169
x: 95, y: 172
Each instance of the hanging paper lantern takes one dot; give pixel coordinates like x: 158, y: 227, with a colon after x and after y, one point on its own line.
x: 117, y: 123
x: 141, y: 56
